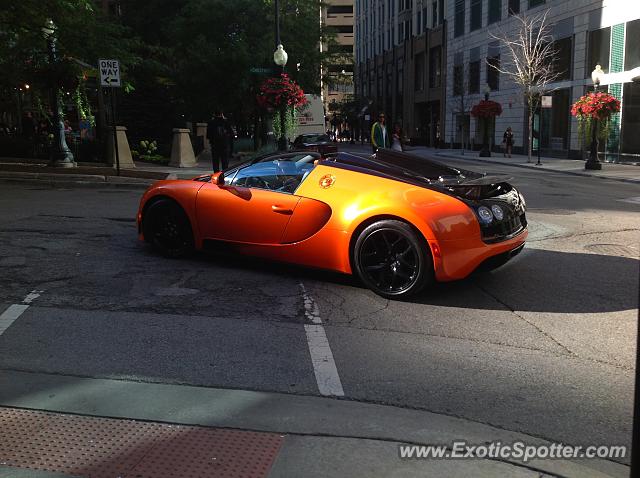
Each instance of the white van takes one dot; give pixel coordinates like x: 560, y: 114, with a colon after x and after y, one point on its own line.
x: 311, y: 118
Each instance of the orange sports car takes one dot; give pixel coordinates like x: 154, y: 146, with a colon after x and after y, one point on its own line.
x: 397, y: 221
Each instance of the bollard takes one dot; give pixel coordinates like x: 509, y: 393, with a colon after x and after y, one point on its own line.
x: 181, y: 150
x: 124, y: 151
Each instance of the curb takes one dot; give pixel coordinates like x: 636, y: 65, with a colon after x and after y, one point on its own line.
x: 523, y: 166
x: 275, y: 412
x: 82, y: 180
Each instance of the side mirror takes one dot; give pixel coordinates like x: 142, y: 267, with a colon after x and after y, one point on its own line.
x: 218, y: 178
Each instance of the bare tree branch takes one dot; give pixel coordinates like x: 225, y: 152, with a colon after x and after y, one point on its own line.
x: 529, y: 59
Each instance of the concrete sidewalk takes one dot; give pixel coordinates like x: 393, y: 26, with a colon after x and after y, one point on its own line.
x: 313, y: 436
x: 610, y: 171
x: 99, y: 174
x: 144, y: 174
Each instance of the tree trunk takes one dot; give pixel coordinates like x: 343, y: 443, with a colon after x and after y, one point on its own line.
x: 530, y: 145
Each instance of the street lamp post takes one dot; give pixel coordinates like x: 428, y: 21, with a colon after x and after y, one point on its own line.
x: 593, y: 162
x: 60, y: 155
x: 486, y: 152
x: 280, y: 58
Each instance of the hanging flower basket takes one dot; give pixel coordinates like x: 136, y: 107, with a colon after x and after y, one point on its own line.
x: 595, y: 106
x: 276, y: 93
x: 486, y: 109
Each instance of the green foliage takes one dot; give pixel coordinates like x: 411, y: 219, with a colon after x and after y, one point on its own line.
x: 147, y: 151
x: 290, y: 123
x: 81, y: 31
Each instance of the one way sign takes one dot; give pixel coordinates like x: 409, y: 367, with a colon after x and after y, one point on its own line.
x: 109, y: 72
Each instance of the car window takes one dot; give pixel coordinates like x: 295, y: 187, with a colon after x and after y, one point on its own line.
x: 315, y: 138
x: 276, y: 175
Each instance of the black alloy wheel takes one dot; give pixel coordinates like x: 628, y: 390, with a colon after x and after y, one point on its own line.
x: 392, y: 259
x: 166, y: 226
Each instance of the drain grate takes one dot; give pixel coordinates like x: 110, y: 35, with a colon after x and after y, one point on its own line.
x: 106, y: 448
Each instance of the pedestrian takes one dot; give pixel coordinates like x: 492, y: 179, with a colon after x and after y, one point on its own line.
x: 507, y: 142
x: 379, y: 136
x: 28, y: 126
x: 220, y: 136
x: 397, y: 139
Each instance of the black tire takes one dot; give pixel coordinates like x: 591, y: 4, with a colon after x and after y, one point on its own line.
x: 166, y: 226
x: 392, y: 259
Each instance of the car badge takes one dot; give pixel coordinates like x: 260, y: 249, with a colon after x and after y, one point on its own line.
x: 327, y: 181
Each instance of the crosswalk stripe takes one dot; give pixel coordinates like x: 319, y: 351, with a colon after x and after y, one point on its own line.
x: 324, y: 365
x: 10, y: 315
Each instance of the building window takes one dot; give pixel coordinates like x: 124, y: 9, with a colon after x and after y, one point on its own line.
x: 343, y: 28
x: 424, y: 19
x: 493, y: 75
x: 458, y: 80
x: 476, y: 15
x: 474, y: 77
x: 631, y: 119
x: 536, y: 3
x: 562, y: 58
x: 435, y: 65
x: 599, y: 48
x: 495, y: 11
x: 434, y: 14
x: 340, y: 10
x: 419, y: 29
x: 514, y: 7
x: 632, y: 49
x: 419, y: 72
x: 458, y: 27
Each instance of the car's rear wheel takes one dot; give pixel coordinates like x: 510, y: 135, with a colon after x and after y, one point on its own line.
x: 166, y: 226
x: 392, y: 259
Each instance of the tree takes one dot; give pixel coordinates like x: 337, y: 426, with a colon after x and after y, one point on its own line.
x: 529, y: 60
x: 199, y: 53
x: 461, y: 103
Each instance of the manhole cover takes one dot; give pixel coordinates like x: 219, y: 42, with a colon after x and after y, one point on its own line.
x: 612, y: 250
x: 553, y: 212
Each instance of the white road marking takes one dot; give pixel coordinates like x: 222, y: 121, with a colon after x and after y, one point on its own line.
x: 14, y: 311
x: 324, y: 366
x: 33, y: 295
x: 634, y: 200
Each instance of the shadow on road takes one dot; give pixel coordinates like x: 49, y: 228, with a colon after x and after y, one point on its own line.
x: 536, y: 281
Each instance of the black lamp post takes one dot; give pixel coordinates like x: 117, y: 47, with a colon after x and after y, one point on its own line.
x: 486, y: 151
x: 593, y: 162
x: 280, y: 58
x: 60, y: 154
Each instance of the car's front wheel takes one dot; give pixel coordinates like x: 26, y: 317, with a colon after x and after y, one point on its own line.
x: 392, y: 259
x: 166, y: 226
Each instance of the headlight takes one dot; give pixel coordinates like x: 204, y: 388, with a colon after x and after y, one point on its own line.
x: 484, y: 213
x: 497, y: 211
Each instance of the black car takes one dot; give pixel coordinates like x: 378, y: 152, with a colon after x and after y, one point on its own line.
x: 319, y: 142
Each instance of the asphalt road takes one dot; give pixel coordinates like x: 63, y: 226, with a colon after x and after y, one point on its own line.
x: 544, y: 345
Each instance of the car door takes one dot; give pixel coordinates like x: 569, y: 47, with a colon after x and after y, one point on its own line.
x: 251, y: 208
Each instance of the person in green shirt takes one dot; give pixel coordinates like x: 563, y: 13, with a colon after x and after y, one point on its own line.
x: 379, y: 134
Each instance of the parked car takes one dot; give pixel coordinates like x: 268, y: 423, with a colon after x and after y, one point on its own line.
x: 396, y: 221
x: 319, y: 142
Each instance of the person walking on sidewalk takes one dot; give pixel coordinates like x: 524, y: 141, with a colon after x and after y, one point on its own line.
x: 397, y: 139
x: 220, y: 136
x: 507, y: 142
x: 379, y: 136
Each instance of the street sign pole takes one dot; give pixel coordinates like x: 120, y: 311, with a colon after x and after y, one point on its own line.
x: 110, y: 78
x: 115, y: 131
x: 545, y: 102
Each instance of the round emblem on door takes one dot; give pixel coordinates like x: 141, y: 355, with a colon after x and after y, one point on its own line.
x: 327, y: 181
